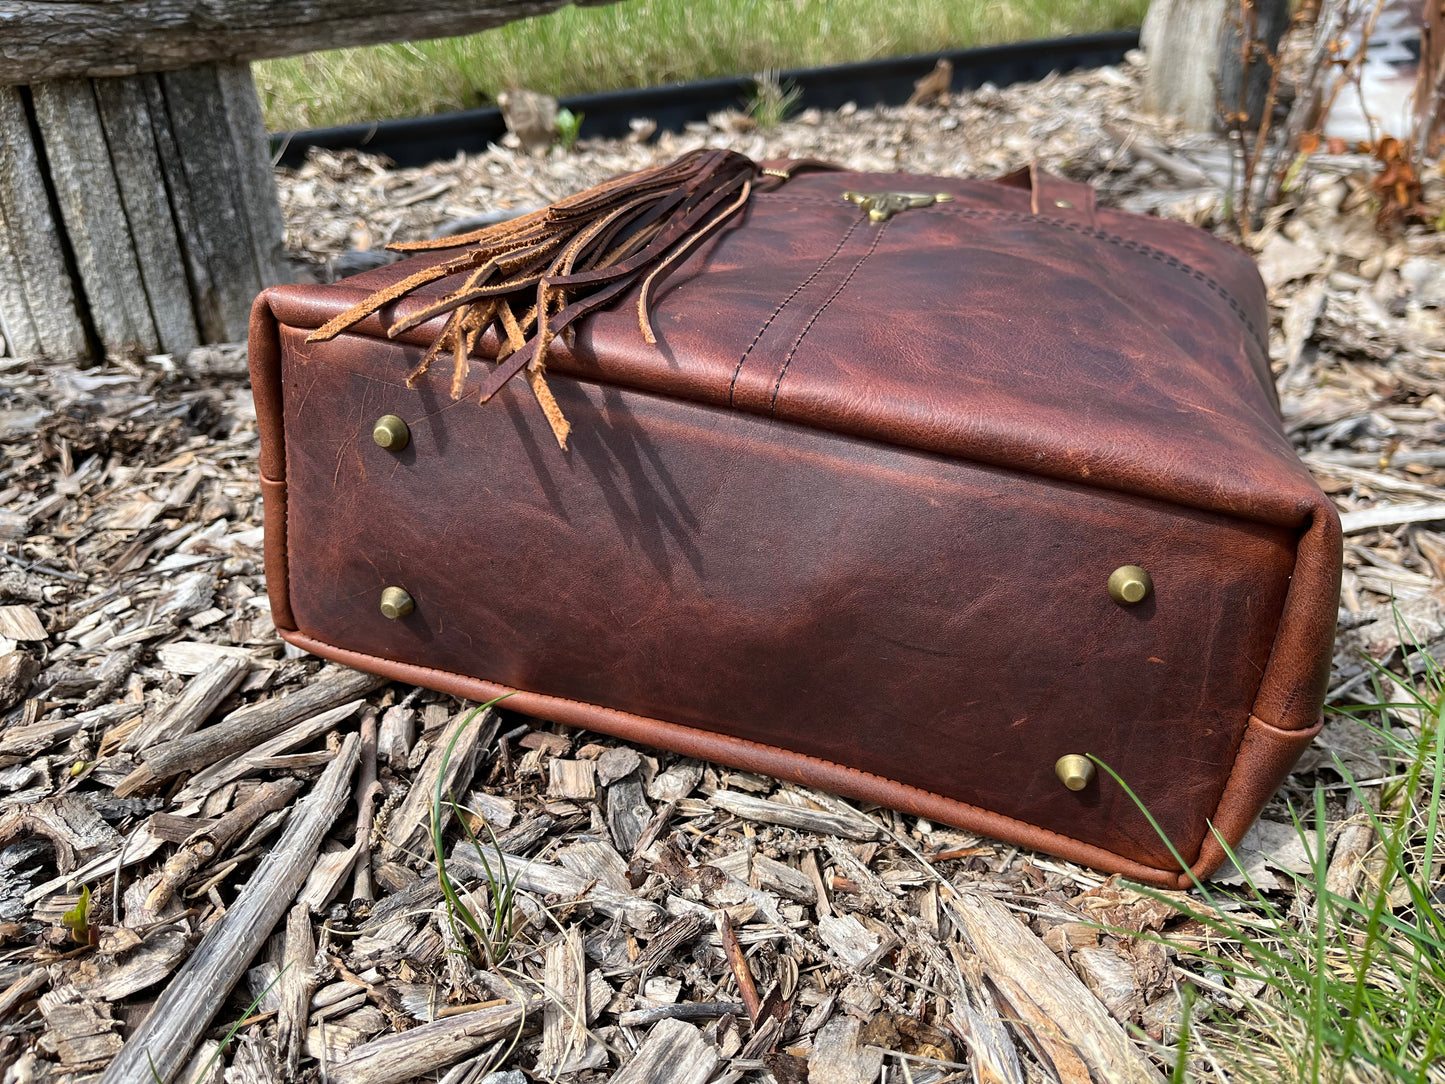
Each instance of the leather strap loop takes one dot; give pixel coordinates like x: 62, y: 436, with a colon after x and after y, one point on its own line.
x: 1052, y: 195
x: 774, y: 172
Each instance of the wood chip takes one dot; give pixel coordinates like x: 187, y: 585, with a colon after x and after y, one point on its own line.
x: 674, y: 1053
x: 567, y: 1047
x: 838, y: 1058
x: 168, y: 1034
x: 21, y: 623
x: 409, y: 826
x: 572, y: 779
x: 786, y: 881
x: 297, y: 982
x: 422, y: 1050
x: 1391, y: 515
x: 1061, y: 1014
x: 245, y: 727
x: 202, y: 695
x: 804, y: 820
x: 849, y: 938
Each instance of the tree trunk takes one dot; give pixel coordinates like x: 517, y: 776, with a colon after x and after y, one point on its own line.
x: 158, y: 225
x: 1247, y: 50
x: 1198, y: 73
x: 1181, y: 39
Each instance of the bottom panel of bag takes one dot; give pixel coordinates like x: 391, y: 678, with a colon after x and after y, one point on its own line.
x: 934, y: 623
x: 1266, y: 756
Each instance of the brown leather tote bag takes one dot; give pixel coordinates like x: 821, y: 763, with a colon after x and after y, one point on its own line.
x: 936, y: 493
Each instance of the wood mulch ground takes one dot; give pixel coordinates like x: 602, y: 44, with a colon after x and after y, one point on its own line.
x: 674, y: 920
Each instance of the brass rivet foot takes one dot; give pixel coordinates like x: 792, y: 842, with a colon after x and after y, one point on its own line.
x: 391, y: 433
x: 1074, y: 771
x: 396, y: 603
x: 1129, y: 585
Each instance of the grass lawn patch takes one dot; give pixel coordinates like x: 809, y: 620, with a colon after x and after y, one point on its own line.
x: 650, y: 42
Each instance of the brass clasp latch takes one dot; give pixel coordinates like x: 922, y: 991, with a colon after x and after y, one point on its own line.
x: 881, y: 206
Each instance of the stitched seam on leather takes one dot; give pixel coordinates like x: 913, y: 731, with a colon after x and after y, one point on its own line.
x: 732, y: 385
x: 1279, y: 733
x: 285, y: 490
x: 760, y: 745
x: 1141, y: 247
x: 877, y: 237
x: 1292, y: 694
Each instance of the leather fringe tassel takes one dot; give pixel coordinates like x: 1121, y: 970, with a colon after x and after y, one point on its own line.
x: 533, y: 277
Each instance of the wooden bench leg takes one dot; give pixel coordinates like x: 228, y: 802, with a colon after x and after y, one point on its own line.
x: 38, y: 313
x: 138, y: 214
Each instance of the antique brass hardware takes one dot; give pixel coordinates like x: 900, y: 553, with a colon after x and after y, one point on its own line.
x: 396, y: 603
x: 1074, y: 771
x: 391, y: 433
x: 881, y: 206
x: 1130, y: 584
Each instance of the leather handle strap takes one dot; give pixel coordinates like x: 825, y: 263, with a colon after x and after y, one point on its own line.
x: 1053, y: 196
x: 773, y: 172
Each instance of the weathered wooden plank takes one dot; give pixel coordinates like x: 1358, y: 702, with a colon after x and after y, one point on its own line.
x: 259, y: 198
x: 208, y: 158
x: 30, y: 230
x: 161, y: 1045
x: 122, y: 37
x: 18, y: 335
x: 126, y: 118
x: 94, y: 217
x: 204, y: 302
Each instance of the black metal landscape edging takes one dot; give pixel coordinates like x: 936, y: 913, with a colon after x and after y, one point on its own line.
x: 417, y: 141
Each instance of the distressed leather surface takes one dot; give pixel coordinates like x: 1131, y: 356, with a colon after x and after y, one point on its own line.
x: 856, y: 508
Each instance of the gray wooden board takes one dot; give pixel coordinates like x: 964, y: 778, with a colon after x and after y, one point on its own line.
x: 208, y: 156
x: 260, y: 200
x: 126, y: 118
x: 33, y: 239
x: 122, y: 37
x: 18, y: 336
x: 204, y: 299
x: 95, y: 221
x: 1181, y: 38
